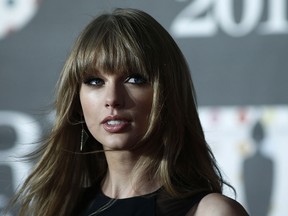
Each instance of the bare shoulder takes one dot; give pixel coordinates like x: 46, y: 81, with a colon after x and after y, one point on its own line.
x: 218, y: 205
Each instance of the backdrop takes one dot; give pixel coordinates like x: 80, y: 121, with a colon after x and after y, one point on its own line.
x: 237, y: 52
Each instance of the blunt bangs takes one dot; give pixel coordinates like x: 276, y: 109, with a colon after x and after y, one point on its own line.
x: 108, y: 45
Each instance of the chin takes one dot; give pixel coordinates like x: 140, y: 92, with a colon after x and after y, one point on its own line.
x: 117, y: 145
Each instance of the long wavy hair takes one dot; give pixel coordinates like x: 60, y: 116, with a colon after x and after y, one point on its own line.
x: 180, y: 159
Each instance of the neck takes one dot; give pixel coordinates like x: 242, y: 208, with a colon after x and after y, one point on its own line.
x: 120, y: 181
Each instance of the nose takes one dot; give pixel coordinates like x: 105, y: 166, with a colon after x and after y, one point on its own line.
x: 114, y: 96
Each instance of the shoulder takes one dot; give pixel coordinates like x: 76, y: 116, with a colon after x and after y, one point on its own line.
x: 218, y: 205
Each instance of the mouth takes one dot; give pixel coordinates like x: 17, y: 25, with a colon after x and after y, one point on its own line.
x: 115, y: 124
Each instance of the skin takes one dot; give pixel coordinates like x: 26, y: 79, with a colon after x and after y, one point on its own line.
x: 217, y: 205
x: 129, y: 97
x: 126, y: 99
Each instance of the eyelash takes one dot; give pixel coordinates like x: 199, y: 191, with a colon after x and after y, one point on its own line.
x: 97, y: 82
x: 141, y: 79
x: 91, y: 81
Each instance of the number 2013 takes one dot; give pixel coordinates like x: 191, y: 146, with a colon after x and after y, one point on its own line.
x: 203, y: 18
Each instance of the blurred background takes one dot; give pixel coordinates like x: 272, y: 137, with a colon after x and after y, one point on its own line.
x: 237, y: 52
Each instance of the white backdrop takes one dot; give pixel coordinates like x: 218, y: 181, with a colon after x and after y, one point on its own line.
x: 229, y: 132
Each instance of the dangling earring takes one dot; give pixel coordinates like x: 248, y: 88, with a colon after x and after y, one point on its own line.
x: 84, y: 137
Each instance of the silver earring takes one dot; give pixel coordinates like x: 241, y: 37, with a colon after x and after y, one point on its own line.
x: 84, y: 137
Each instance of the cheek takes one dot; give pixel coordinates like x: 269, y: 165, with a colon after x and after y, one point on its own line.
x: 84, y: 102
x: 90, y: 117
x: 148, y: 101
x: 146, y: 108
x: 88, y: 105
x: 145, y: 104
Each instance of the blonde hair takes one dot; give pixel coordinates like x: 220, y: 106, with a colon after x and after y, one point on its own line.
x: 124, y: 41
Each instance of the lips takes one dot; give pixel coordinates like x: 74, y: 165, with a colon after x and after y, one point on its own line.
x: 115, y: 124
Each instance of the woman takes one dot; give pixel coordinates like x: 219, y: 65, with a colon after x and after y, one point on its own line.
x: 127, y: 139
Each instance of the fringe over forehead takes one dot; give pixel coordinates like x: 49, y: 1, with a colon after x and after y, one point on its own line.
x: 118, y: 43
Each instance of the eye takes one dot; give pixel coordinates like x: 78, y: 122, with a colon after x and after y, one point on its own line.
x: 136, y: 79
x: 94, y: 81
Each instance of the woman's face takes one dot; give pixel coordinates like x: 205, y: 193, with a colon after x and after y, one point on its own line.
x: 116, y: 108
